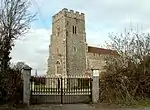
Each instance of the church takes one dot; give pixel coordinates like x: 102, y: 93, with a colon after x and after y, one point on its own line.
x: 69, y: 53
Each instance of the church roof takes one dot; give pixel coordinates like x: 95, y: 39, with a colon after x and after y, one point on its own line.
x: 101, y: 50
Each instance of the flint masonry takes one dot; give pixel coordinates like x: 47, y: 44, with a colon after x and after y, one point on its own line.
x: 69, y: 53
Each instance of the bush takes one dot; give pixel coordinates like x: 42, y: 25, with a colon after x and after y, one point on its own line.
x: 12, y: 90
x: 127, y: 76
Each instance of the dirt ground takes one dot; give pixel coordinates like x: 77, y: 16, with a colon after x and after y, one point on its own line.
x: 78, y: 107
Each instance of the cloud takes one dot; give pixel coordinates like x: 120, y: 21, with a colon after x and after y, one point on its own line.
x: 102, y: 17
x: 105, y: 15
x: 33, y: 49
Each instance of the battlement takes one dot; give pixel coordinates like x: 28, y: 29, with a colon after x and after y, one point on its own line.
x: 68, y: 13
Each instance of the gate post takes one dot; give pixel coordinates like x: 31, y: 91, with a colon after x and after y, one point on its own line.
x: 95, y: 86
x: 26, y: 73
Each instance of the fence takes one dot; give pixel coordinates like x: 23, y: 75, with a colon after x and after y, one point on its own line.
x: 70, y: 89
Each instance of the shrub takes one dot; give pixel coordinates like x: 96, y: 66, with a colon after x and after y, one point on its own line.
x: 12, y: 91
x: 127, y: 76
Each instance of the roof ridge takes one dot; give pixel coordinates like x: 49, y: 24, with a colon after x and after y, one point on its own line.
x: 92, y: 49
x: 101, y: 48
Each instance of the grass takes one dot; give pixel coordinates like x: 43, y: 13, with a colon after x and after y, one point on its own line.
x: 136, y: 104
x: 143, y: 103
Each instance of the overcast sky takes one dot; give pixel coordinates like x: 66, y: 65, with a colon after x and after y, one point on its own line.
x: 102, y: 17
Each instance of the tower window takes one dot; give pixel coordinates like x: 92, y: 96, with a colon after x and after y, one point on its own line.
x: 75, y: 49
x: 74, y: 29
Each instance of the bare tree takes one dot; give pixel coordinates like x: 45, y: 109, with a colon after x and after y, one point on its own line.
x: 15, y: 20
x: 127, y: 76
x: 19, y: 65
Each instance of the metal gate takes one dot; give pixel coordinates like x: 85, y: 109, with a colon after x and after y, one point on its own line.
x: 61, y: 90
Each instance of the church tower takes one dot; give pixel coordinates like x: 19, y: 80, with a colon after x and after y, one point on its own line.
x: 67, y: 51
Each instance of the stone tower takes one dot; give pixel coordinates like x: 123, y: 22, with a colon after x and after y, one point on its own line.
x: 67, y: 51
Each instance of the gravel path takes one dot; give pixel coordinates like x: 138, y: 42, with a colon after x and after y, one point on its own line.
x: 77, y: 107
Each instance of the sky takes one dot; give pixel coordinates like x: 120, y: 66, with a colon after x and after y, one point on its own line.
x: 101, y: 16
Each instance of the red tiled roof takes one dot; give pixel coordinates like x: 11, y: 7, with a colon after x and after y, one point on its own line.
x: 101, y: 50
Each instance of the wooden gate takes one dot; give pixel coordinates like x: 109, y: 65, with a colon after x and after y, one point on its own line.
x: 72, y: 89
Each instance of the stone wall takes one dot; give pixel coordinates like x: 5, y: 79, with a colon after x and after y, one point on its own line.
x: 68, y: 52
x: 57, y: 48
x: 76, y: 46
x: 96, y: 61
x: 67, y: 48
x: 68, y: 13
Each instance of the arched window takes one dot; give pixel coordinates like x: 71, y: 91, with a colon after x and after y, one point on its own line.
x: 75, y: 49
x: 58, y: 67
x: 74, y: 29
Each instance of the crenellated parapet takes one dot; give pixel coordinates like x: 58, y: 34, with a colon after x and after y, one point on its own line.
x: 68, y: 13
